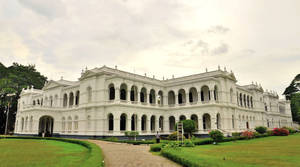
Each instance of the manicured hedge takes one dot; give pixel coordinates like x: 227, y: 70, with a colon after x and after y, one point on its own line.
x: 137, y: 142
x: 177, y: 158
x: 95, y: 158
x: 156, y: 147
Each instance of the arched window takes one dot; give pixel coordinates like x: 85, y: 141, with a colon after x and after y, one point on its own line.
x: 89, y: 94
x: 233, y: 126
x: 241, y: 99
x: 161, y: 123
x: 171, y: 98
x: 182, y: 118
x: 26, y: 124
x: 123, y: 91
x: 251, y: 101
x: 237, y: 98
x: 143, y: 95
x: 144, y: 123
x: 51, y: 101
x: 123, y: 120
x: 206, y: 122
x: 71, y: 99
x: 172, y: 123
x: 38, y: 101
x: 63, y: 124
x: 245, y: 104
x: 77, y: 97
x: 181, y: 96
x: 22, y: 124
x: 33, y: 103
x: 231, y: 95
x: 152, y: 96
x: 111, y: 89
x: 133, y: 93
x: 216, y: 97
x: 31, y: 124
x: 65, y: 100
x: 205, y: 93
x: 195, y: 119
x: 110, y: 122
x: 248, y: 102
x: 76, y: 123
x: 152, y: 123
x: 219, y: 125
x: 134, y: 122
x: 193, y: 95
x: 160, y: 98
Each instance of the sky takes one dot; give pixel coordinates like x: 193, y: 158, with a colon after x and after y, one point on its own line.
x: 258, y: 40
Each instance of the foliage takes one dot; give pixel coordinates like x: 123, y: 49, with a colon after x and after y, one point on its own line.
x: 280, y: 132
x: 156, y: 147
x: 188, y: 143
x: 263, y: 151
x: 248, y: 134
x: 270, y: 132
x: 261, y: 129
x: 131, y: 134
x: 173, y: 136
x: 134, y: 142
x: 295, y: 106
x: 291, y: 130
x: 236, y: 134
x: 12, y: 80
x: 189, y: 126
x: 216, y: 135
x: 92, y: 158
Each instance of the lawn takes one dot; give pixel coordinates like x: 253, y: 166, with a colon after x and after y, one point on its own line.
x: 275, y: 151
x: 32, y: 152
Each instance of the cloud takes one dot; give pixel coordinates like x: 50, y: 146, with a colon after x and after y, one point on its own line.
x: 48, y: 8
x: 223, y: 48
x: 218, y: 29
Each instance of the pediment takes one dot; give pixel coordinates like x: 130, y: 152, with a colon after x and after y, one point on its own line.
x: 51, y: 84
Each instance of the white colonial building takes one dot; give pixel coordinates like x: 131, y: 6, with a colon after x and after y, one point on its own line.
x: 108, y: 102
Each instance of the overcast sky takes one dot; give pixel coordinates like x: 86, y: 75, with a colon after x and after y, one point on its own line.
x: 258, y: 40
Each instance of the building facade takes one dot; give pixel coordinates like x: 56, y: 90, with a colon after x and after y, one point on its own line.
x: 107, y: 102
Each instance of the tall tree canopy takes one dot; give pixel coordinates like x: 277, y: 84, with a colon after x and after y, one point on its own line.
x: 12, y: 80
x: 292, y: 93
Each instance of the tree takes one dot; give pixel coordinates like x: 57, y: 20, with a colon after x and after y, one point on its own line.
x: 12, y: 80
x: 189, y: 127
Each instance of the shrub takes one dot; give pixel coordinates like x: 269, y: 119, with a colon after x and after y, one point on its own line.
x: 203, y: 141
x: 189, y: 126
x: 247, y: 134
x: 269, y: 132
x: 261, y: 129
x: 156, y: 147
x: 280, y: 132
x: 291, y: 130
x: 236, y: 134
x: 111, y: 139
x: 131, y: 134
x: 188, y: 143
x: 216, y: 135
x: 173, y: 136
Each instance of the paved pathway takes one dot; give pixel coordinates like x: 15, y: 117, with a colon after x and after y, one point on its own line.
x: 127, y: 155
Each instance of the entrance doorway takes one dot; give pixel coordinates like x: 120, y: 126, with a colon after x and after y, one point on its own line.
x: 46, y: 126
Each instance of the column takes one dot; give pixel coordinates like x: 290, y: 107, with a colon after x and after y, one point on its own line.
x: 148, y: 126
x: 148, y: 97
x: 156, y: 124
x: 200, y: 124
x: 165, y: 100
x: 176, y: 99
x: 128, y: 124
x: 213, y: 123
x: 166, y: 124
x: 139, y: 125
x: 128, y: 95
x: 187, y: 98
x: 117, y: 94
x: 212, y: 96
x: 116, y: 125
x: 138, y: 97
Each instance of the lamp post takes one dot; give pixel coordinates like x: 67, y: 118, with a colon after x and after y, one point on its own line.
x: 7, y: 112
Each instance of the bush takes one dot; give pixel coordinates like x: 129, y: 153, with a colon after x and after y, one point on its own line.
x: 189, y: 126
x: 188, y: 143
x: 131, y: 134
x: 113, y: 139
x: 216, y: 135
x: 173, y: 136
x: 261, y: 129
x: 236, y: 134
x: 247, y: 134
x: 280, y: 132
x: 269, y: 132
x: 291, y: 130
x: 156, y: 147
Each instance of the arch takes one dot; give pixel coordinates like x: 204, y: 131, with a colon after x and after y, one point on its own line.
x: 111, y: 91
x: 33, y: 103
x: 181, y: 96
x: 31, y: 123
x: 143, y: 95
x: 22, y: 124
x: 51, y: 101
x: 77, y: 97
x: 144, y: 123
x: 205, y: 93
x: 69, y: 124
x: 171, y: 98
x: 231, y: 95
x: 123, y: 91
x: 194, y: 117
x: 134, y: 93
x: 232, y: 119
x: 160, y: 98
x: 89, y: 94
x: 65, y: 100
x: 38, y: 101
x: 206, y: 121
x: 251, y: 101
x: 248, y: 102
x: 182, y: 118
x: 71, y: 99
x: 110, y: 122
x: 172, y: 123
x: 76, y: 123
x: 161, y: 123
x: 134, y: 122
x: 219, y: 124
x: 26, y: 123
x: 216, y: 93
x: 63, y: 124
x: 152, y: 123
x: 123, y: 121
x: 241, y: 99
x: 46, y: 126
x: 193, y: 95
x: 244, y: 98
x: 152, y: 96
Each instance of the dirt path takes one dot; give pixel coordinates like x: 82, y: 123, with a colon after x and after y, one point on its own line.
x: 127, y: 155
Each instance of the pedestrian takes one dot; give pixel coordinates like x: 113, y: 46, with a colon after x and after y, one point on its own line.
x: 157, y: 137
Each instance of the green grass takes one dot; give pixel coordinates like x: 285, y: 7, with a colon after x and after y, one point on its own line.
x: 281, y: 151
x: 46, y: 153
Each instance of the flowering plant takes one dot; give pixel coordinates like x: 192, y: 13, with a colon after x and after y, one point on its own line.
x: 248, y: 134
x: 280, y: 132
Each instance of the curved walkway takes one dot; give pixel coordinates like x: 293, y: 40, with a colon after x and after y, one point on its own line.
x: 127, y: 155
